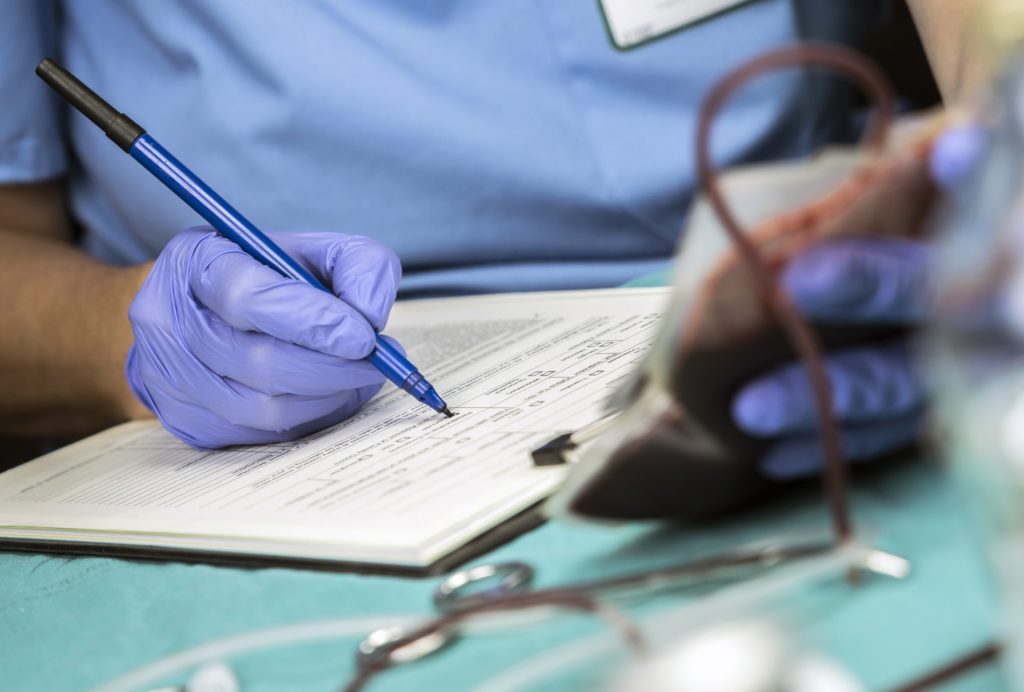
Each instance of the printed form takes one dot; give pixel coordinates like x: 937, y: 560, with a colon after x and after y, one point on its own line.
x: 396, y: 479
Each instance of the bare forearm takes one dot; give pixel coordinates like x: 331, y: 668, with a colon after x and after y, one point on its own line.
x: 64, y: 339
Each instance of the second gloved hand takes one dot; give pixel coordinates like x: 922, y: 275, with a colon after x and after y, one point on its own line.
x: 877, y: 392
x: 227, y: 351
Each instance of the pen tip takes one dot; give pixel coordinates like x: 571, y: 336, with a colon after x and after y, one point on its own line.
x: 447, y: 412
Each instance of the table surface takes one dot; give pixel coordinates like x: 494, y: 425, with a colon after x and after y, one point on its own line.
x: 74, y: 623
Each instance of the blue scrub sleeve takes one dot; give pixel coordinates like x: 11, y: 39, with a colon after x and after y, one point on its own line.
x: 31, y: 143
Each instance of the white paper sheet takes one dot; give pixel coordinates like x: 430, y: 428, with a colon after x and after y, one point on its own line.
x: 397, y: 482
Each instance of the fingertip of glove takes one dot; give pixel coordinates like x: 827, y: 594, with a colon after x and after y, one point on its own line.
x: 352, y: 340
x: 956, y: 153
x: 376, y: 296
x: 825, y: 279
x: 757, y: 409
x: 365, y: 275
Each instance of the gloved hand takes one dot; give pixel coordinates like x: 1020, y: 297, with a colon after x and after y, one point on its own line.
x: 227, y: 351
x: 877, y: 392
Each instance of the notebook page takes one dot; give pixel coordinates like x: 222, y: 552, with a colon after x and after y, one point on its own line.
x: 516, y: 369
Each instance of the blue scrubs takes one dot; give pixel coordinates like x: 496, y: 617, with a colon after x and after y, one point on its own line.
x: 494, y: 144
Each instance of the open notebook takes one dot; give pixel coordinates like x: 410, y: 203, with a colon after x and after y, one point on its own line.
x: 396, y: 485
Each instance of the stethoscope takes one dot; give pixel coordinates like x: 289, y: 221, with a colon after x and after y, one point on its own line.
x: 470, y: 588
x: 463, y: 589
x: 478, y: 587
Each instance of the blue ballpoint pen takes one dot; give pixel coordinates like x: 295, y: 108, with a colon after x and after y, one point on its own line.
x: 128, y: 135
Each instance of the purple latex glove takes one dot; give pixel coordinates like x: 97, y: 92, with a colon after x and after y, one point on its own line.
x: 956, y: 154
x: 877, y: 392
x: 227, y: 351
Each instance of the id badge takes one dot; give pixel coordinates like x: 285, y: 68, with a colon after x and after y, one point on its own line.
x: 632, y: 22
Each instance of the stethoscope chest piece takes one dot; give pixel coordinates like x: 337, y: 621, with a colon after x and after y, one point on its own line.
x: 468, y: 588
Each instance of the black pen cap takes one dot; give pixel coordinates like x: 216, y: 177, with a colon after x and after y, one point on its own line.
x: 117, y: 126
